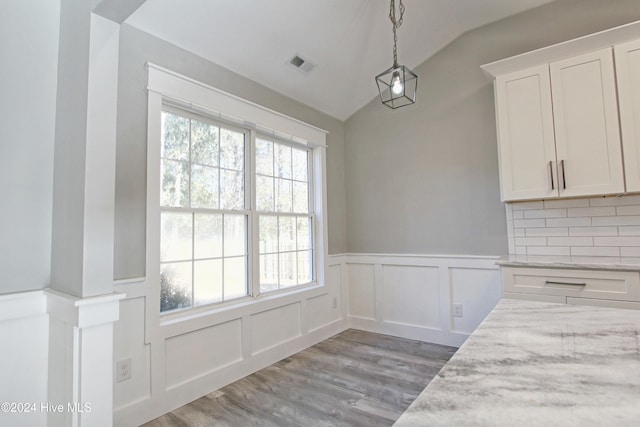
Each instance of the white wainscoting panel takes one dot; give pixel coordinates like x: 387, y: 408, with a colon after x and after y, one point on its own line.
x: 411, y: 296
x: 273, y: 327
x: 476, y: 290
x: 129, y: 330
x: 195, y: 354
x: 184, y: 356
x: 23, y: 359
x: 361, y: 291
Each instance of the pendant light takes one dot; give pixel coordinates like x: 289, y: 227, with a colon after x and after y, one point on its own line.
x: 398, y: 84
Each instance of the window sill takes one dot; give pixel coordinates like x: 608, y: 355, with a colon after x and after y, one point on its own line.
x: 177, y: 323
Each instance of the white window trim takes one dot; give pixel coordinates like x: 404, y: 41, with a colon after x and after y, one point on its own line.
x: 165, y: 86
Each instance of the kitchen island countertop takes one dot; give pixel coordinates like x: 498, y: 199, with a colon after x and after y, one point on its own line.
x: 539, y: 364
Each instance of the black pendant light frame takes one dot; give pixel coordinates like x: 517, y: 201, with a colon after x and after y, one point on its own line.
x: 397, y: 85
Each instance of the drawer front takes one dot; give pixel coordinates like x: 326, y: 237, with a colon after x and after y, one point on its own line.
x: 609, y: 285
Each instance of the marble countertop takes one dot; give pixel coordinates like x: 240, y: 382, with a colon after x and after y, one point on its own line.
x: 539, y: 364
x: 583, y: 262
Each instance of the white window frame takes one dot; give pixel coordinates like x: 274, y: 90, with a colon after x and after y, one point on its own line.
x: 311, y: 214
x: 167, y: 87
x: 246, y: 211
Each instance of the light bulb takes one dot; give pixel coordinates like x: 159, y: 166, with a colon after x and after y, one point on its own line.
x: 396, y: 84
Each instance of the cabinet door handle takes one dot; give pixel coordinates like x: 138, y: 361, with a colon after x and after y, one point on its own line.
x: 552, y: 282
x: 551, y: 174
x: 564, y: 179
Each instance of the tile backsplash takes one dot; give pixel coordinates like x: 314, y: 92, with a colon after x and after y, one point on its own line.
x: 597, y: 226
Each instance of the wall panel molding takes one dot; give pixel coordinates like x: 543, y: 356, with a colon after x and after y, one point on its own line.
x: 414, y: 294
x: 359, y: 293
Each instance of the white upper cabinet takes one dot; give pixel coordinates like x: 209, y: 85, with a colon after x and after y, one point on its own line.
x: 527, y: 152
x: 628, y: 73
x: 558, y: 133
x: 568, y: 117
x: 585, y: 112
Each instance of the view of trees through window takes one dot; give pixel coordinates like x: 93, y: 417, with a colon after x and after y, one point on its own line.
x: 282, y: 188
x: 205, y: 213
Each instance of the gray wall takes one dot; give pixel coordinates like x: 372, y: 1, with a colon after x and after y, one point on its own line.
x: 424, y: 178
x: 28, y: 81
x: 137, y: 48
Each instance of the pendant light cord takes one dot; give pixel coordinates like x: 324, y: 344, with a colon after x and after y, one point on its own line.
x: 396, y: 24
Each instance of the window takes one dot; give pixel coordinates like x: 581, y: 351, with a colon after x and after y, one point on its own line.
x: 207, y: 206
x: 235, y: 198
x: 285, y: 219
x: 203, y: 215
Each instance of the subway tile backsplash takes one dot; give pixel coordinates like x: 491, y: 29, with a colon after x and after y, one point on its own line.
x: 597, y: 226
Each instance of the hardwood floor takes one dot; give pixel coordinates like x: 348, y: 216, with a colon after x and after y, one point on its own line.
x: 355, y: 378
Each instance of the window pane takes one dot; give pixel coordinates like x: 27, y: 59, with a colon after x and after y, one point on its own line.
x: 264, y: 157
x: 303, y: 234
x: 175, y: 236
x: 264, y: 193
x: 175, y: 183
x: 175, y: 137
x: 283, y: 161
x: 268, y: 272
x: 305, y: 270
x: 287, y: 233
x: 288, y: 269
x: 175, y: 285
x: 235, y: 235
x: 231, y: 189
x: 235, y: 277
x: 207, y: 286
x: 208, y: 236
x: 300, y: 165
x: 300, y: 197
x: 283, y: 195
x: 231, y: 149
x: 268, y: 240
x: 204, y: 143
x: 204, y: 187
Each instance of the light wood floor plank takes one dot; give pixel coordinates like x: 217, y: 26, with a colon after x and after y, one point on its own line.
x: 355, y: 378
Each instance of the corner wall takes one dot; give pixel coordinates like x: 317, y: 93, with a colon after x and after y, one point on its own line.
x: 424, y: 178
x: 28, y: 76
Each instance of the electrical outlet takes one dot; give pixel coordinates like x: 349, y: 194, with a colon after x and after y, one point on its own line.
x: 457, y: 310
x: 123, y: 370
x: 335, y: 302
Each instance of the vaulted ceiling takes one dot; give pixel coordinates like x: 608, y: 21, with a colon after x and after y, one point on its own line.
x: 348, y: 41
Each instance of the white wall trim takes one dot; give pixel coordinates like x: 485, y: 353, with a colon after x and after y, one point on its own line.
x: 24, y: 357
x: 591, y: 42
x: 66, y: 345
x: 411, y: 297
x: 80, y: 355
x: 156, y: 388
x: 437, y: 282
x: 23, y: 304
x: 230, y: 107
x: 83, y: 312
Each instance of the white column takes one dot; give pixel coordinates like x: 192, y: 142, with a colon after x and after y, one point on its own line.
x: 84, y: 160
x: 81, y: 359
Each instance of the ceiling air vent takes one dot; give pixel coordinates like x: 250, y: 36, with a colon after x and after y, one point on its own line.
x: 301, y: 63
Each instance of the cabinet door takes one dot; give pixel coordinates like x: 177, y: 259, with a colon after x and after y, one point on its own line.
x: 628, y: 73
x: 586, y: 124
x: 525, y: 135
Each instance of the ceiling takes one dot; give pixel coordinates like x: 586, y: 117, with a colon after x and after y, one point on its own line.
x: 349, y: 41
